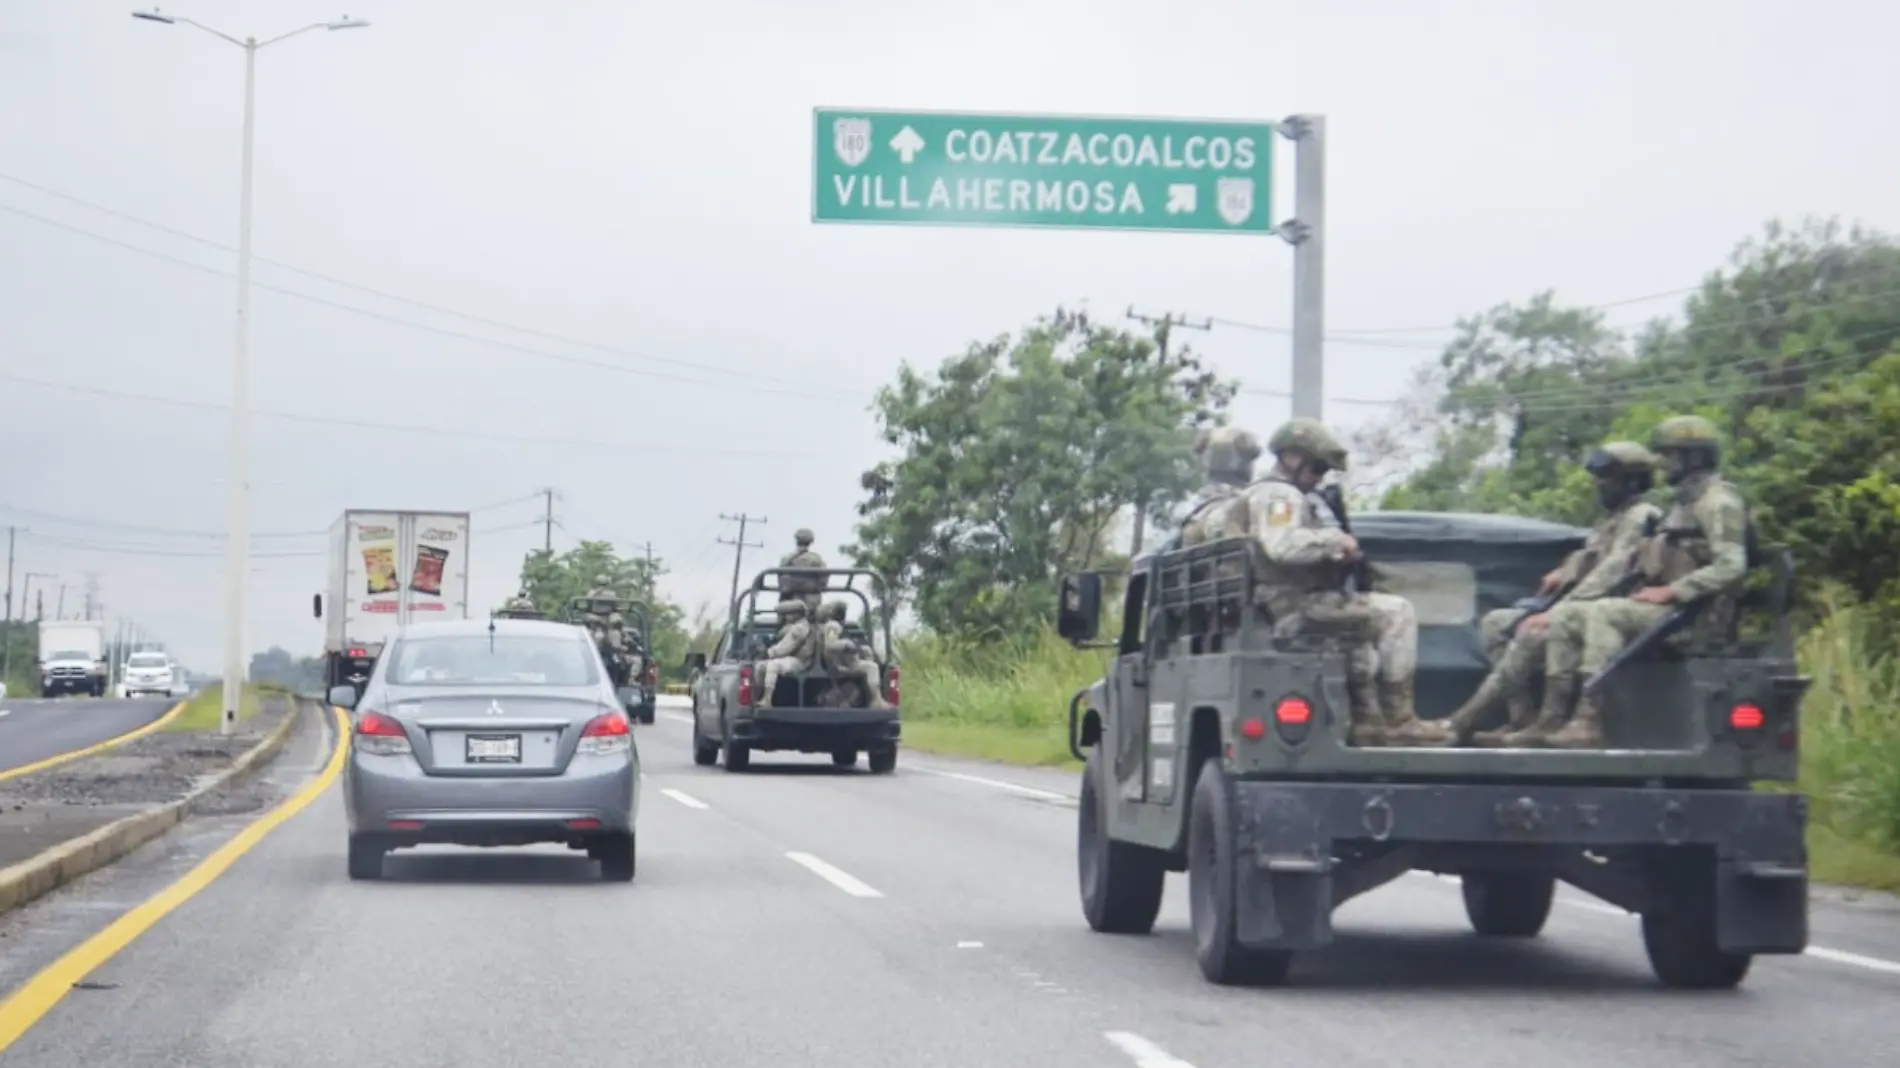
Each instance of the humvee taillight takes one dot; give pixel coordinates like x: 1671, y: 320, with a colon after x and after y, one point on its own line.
x: 1746, y: 718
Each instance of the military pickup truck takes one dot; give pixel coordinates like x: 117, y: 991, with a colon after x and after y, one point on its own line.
x: 634, y: 671
x: 810, y: 711
x: 1218, y: 747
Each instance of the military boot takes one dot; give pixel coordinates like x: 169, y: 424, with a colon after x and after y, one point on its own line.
x: 1463, y: 723
x: 1523, y: 713
x: 1402, y: 725
x: 1368, y: 725
x: 1559, y: 693
x: 1585, y: 729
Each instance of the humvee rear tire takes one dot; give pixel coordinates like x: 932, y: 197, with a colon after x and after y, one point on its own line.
x: 1508, y: 903
x: 883, y: 759
x: 844, y: 758
x: 705, y: 751
x: 1212, y: 886
x: 1121, y: 883
x: 1679, y: 933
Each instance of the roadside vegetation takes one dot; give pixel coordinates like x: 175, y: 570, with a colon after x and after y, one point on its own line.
x: 1029, y: 456
x: 204, y: 712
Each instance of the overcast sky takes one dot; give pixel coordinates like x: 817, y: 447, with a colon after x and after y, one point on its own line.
x: 635, y: 178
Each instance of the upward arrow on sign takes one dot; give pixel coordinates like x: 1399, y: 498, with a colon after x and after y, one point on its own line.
x: 907, y: 144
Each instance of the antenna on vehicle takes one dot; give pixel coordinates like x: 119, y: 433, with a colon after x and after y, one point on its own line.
x: 491, y: 634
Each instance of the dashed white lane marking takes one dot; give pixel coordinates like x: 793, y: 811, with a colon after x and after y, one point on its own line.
x: 1144, y: 1053
x: 998, y: 784
x: 969, y: 945
x: 841, y: 879
x: 1835, y: 956
x: 5, y: 712
x: 683, y: 798
x: 678, y: 717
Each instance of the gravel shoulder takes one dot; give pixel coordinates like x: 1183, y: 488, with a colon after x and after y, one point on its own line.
x: 43, y: 809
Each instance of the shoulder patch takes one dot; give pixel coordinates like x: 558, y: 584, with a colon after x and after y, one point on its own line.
x: 1280, y: 512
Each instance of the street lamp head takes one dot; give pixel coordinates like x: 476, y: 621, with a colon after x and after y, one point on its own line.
x: 154, y: 16
x: 346, y: 23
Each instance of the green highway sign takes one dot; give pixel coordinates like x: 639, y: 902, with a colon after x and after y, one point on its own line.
x: 926, y: 168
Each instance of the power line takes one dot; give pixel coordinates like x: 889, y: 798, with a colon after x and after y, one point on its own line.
x: 84, y: 545
x: 213, y: 535
x: 483, y: 435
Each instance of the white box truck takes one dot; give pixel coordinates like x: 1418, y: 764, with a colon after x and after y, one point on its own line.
x: 72, y: 657
x: 388, y: 568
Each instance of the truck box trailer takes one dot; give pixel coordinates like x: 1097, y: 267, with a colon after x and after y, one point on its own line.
x: 386, y: 569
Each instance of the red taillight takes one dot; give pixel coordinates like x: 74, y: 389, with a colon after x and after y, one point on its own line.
x: 405, y: 825
x: 1746, y: 718
x: 1293, y: 712
x: 745, y: 684
x: 359, y: 654
x: 377, y: 725
x: 606, y: 725
x: 583, y: 824
x: 1253, y: 730
x: 891, y: 688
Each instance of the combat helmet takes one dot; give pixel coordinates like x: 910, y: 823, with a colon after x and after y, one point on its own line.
x: 1619, y: 457
x: 832, y: 610
x: 1228, y: 451
x: 1309, y: 436
x: 804, y: 536
x: 1686, y: 436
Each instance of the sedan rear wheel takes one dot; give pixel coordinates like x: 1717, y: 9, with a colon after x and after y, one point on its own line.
x: 617, y: 856
x: 366, y: 857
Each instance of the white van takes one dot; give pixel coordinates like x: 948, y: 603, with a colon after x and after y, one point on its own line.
x: 147, y: 673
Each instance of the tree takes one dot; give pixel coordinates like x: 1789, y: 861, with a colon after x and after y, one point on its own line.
x: 294, y: 673
x: 1793, y: 350
x: 551, y: 580
x: 1017, y: 457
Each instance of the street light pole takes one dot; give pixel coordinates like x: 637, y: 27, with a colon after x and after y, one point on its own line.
x: 238, y: 549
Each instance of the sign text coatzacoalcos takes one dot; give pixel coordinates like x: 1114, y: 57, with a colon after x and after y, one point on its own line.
x: 945, y: 169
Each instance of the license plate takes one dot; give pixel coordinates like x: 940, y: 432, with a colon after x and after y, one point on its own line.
x: 494, y: 749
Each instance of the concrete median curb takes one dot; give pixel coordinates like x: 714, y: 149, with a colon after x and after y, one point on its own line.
x: 38, y: 876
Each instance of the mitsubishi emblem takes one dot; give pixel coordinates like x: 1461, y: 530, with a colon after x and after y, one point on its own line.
x: 494, y: 709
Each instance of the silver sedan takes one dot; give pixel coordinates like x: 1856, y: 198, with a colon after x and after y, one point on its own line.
x: 501, y: 732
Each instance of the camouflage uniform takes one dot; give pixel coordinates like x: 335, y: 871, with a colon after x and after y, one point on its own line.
x: 1701, y: 551
x: 844, y: 658
x: 793, y: 647
x: 807, y: 588
x: 519, y: 607
x: 1301, y: 585
x: 1227, y: 456
x: 1624, y: 471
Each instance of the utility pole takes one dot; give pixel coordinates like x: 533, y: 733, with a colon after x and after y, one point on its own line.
x: 547, y: 523
x: 652, y: 571
x: 1306, y: 232
x: 11, y: 532
x: 60, y: 612
x: 40, y: 611
x: 1164, y: 330
x: 92, y: 593
x: 739, y: 546
x: 6, y: 628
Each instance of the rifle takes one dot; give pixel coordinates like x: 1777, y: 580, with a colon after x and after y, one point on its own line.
x: 1358, y: 576
x: 1657, y: 633
x: 1538, y: 605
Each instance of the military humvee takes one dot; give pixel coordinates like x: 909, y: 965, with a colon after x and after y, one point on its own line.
x: 635, y: 672
x: 809, y: 712
x: 1216, y: 748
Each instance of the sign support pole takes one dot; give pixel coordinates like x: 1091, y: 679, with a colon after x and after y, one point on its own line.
x: 1306, y: 232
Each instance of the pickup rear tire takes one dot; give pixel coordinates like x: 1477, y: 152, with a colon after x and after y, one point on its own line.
x: 1679, y: 932
x: 882, y: 760
x: 1213, y: 885
x: 1508, y: 903
x: 705, y: 751
x: 844, y: 758
x: 1121, y: 882
x: 738, y: 756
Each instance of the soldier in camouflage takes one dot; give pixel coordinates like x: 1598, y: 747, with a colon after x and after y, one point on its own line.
x: 793, y: 647
x: 807, y: 588
x: 1700, y: 552
x: 846, y: 659
x: 603, y: 586
x: 1227, y: 456
x: 1307, y: 554
x: 1624, y: 471
x: 519, y: 607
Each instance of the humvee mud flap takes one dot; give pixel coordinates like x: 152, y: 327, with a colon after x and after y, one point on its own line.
x: 1216, y: 746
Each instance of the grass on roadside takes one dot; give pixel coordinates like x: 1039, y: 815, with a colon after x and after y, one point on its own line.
x: 204, y: 712
x: 1010, y: 704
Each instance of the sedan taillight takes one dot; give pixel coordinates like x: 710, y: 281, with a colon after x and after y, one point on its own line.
x: 606, y: 733
x: 378, y: 735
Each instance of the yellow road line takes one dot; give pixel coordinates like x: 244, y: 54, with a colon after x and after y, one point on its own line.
x: 37, y: 996
x: 74, y: 754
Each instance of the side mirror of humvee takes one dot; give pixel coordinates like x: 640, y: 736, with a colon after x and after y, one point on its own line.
x: 695, y: 661
x: 1079, y: 607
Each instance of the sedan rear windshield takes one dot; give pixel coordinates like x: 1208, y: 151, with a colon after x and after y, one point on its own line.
x: 478, y: 659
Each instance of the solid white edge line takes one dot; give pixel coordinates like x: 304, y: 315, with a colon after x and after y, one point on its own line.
x: 841, y: 879
x: 998, y: 784
x: 1835, y: 956
x: 683, y: 798
x: 1144, y: 1053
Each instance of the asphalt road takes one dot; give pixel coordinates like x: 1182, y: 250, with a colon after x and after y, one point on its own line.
x: 33, y: 730
x: 800, y: 916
